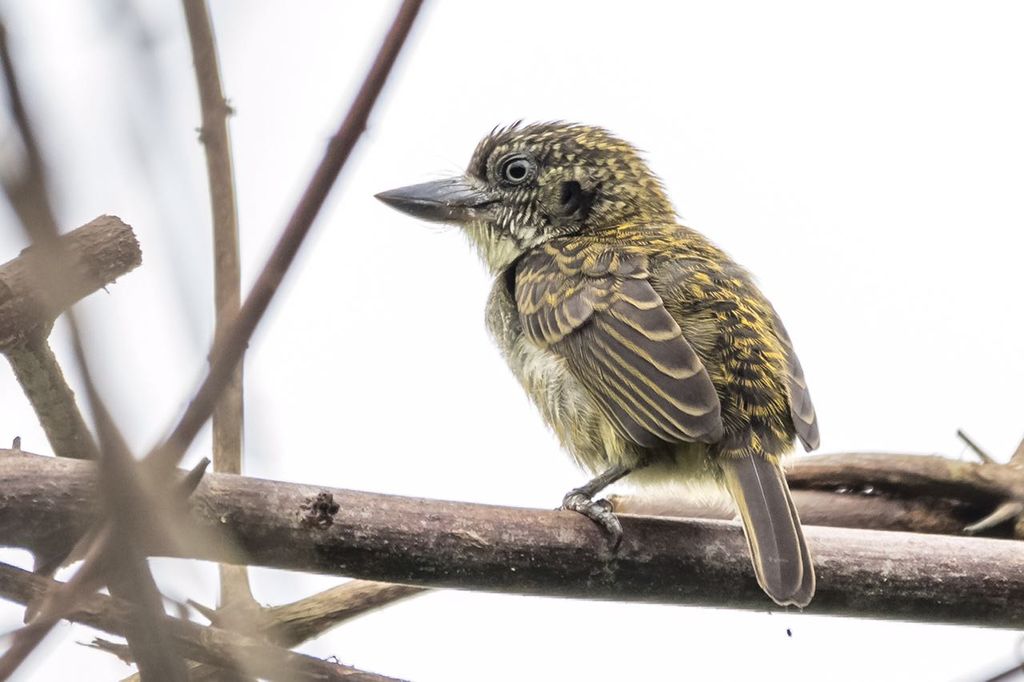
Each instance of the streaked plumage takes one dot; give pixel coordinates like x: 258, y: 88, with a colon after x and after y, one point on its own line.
x: 644, y: 346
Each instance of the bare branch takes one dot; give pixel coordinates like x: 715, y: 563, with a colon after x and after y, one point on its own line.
x: 292, y: 624
x: 228, y: 413
x: 208, y: 644
x: 928, y: 475
x: 849, y: 509
x: 226, y: 354
x: 96, y: 254
x: 871, y: 574
x: 53, y: 401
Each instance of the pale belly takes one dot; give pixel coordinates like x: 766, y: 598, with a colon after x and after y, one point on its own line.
x: 568, y: 408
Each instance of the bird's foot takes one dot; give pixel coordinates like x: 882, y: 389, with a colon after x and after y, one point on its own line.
x: 598, y: 511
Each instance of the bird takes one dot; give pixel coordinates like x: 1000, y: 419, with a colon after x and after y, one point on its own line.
x: 647, y: 350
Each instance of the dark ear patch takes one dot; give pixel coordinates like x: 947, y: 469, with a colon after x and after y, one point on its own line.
x: 574, y: 201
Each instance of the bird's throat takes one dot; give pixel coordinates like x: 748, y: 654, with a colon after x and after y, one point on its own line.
x: 496, y: 247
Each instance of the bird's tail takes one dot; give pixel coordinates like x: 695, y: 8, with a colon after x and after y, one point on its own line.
x: 770, y: 522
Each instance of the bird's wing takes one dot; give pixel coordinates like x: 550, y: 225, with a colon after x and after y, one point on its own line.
x: 594, y: 306
x: 800, y: 407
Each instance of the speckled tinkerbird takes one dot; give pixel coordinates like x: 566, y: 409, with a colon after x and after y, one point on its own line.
x: 645, y: 347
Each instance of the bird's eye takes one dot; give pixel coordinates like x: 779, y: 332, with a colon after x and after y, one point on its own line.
x: 516, y: 169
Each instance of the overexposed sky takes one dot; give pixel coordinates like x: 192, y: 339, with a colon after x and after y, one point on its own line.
x: 864, y: 160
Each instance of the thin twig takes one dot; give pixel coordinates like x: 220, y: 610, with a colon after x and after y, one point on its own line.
x: 982, y: 455
x: 1017, y: 458
x: 1007, y: 511
x: 226, y: 354
x: 228, y: 413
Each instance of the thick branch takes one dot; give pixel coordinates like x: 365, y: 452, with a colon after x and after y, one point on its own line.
x: 96, y: 254
x: 869, y: 574
x: 199, y: 643
x: 827, y: 508
x: 93, y: 256
x: 929, y: 475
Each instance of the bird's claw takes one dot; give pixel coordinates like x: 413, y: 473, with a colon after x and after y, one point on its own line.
x: 598, y: 511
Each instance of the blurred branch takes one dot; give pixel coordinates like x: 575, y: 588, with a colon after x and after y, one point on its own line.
x: 29, y: 196
x: 226, y: 354
x: 125, y: 490
x: 25, y: 185
x: 1018, y: 455
x: 975, y: 448
x: 871, y: 574
x: 97, y: 253
x: 228, y: 413
x: 200, y: 643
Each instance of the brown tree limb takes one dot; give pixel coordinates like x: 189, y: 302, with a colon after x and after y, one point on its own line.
x: 226, y: 354
x: 228, y: 413
x: 870, y: 574
x: 826, y: 508
x: 42, y: 379
x: 200, y: 643
x: 986, y: 486
x: 95, y: 255
x: 929, y: 475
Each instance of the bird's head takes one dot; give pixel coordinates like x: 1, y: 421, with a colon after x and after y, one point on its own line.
x: 528, y: 184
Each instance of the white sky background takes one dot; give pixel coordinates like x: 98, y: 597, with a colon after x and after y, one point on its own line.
x: 865, y: 163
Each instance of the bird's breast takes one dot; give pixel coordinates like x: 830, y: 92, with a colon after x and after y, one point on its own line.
x: 564, y: 403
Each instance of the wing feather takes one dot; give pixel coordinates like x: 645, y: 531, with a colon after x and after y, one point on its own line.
x: 800, y: 407
x: 595, y: 306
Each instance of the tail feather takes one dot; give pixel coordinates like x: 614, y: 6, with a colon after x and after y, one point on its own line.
x: 770, y: 522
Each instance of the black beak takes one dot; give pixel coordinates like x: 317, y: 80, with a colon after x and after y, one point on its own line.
x: 451, y: 201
